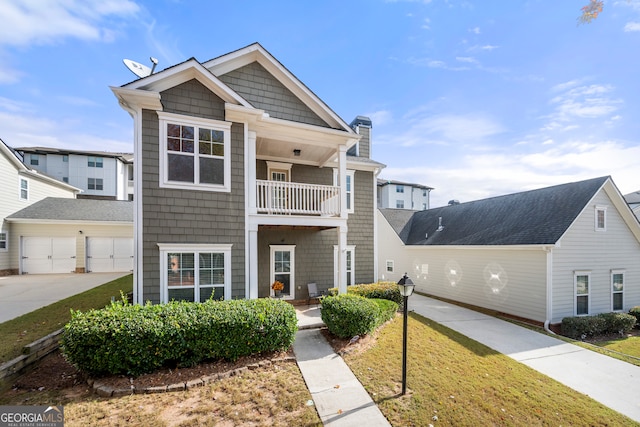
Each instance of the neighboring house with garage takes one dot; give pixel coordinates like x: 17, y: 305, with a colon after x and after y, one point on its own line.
x: 244, y: 176
x: 21, y: 187
x: 99, y: 174
x: 62, y: 235
x: 566, y: 250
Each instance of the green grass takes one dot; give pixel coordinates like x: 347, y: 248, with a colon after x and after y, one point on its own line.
x: 23, y: 330
x: 464, y: 383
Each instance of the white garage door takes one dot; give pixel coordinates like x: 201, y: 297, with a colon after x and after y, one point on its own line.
x: 46, y: 255
x: 107, y: 254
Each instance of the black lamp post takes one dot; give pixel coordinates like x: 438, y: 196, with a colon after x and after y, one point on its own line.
x: 405, y: 285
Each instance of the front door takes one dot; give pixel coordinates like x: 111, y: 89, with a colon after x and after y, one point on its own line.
x: 283, y: 270
x: 280, y: 196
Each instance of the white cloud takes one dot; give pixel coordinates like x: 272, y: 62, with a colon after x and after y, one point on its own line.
x: 475, y: 30
x: 27, y: 22
x: 632, y: 26
x: 380, y: 117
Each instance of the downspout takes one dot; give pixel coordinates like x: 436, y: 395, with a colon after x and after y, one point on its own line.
x: 136, y: 114
x: 375, y: 223
x: 549, y: 305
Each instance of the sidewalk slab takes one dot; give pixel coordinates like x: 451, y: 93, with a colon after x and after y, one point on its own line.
x: 610, y: 381
x: 340, y: 399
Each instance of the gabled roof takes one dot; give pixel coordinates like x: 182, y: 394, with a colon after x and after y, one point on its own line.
x: 256, y: 53
x: 88, y: 210
x: 536, y: 217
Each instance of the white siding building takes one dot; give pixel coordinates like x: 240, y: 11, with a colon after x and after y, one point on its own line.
x: 403, y: 195
x: 100, y: 175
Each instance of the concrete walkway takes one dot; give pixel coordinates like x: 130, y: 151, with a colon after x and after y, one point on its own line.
x: 609, y: 381
x: 340, y: 399
x: 21, y: 294
x: 613, y: 383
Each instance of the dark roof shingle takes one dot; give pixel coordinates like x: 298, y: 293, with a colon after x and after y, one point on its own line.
x: 61, y: 209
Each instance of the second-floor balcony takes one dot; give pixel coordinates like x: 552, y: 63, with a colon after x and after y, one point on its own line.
x: 278, y: 198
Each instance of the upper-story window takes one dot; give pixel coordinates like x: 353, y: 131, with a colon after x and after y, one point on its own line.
x: 195, y: 153
x: 601, y: 218
x: 424, y: 193
x: 399, y: 188
x: 400, y: 204
x: 35, y: 160
x: 65, y: 158
x: 24, y: 189
x: 349, y: 189
x: 94, y: 162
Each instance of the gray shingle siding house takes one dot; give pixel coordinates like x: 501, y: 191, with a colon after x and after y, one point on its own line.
x: 546, y: 254
x: 243, y: 177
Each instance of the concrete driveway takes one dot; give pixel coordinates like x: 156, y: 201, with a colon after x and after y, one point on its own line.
x: 22, y: 294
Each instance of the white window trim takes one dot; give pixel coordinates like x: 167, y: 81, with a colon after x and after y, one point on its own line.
x: 292, y: 270
x: 278, y: 166
x: 599, y: 208
x: 575, y: 292
x: 20, y: 189
x: 6, y: 241
x: 351, y: 174
x: 179, y: 119
x: 389, y: 263
x: 166, y: 248
x: 624, y: 277
x: 352, y: 249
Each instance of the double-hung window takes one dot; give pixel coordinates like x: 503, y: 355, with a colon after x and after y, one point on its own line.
x: 35, y: 160
x: 582, y: 281
x: 601, y: 218
x: 617, y: 290
x: 95, y: 184
x: 350, y: 266
x: 399, y: 188
x: 94, y: 162
x: 3, y: 242
x: 194, y: 153
x: 24, y: 189
x: 195, y: 272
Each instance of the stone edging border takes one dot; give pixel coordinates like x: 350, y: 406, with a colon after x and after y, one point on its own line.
x: 104, y: 390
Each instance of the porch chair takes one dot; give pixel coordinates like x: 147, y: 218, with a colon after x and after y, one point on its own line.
x: 313, y: 291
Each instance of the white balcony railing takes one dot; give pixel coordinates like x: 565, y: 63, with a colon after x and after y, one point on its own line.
x: 276, y: 197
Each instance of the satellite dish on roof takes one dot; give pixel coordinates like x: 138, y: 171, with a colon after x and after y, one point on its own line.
x: 139, y: 69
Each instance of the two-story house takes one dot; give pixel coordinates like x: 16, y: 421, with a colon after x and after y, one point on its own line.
x: 21, y: 187
x: 403, y: 195
x: 99, y: 174
x: 244, y: 176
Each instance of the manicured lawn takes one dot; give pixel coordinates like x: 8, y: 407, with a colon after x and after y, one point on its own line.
x: 23, y: 330
x: 455, y: 381
x: 628, y: 345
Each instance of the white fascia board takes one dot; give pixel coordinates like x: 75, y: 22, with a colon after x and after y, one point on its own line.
x: 52, y: 181
x: 134, y: 98
x: 67, y: 222
x: 182, y: 73
x: 298, y: 220
x: 483, y: 247
x: 623, y: 207
x: 256, y: 53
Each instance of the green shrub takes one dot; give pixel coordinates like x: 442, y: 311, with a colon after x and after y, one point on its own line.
x: 350, y: 315
x: 635, y: 312
x: 135, y: 339
x: 382, y: 290
x: 600, y: 324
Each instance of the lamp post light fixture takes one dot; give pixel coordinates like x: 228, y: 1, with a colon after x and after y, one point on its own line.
x: 406, y: 286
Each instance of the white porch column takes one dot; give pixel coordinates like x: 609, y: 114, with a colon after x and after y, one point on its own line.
x: 250, y: 155
x: 253, y: 262
x: 342, y: 181
x: 342, y: 259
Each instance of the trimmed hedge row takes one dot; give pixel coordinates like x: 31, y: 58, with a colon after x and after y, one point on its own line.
x: 136, y: 339
x: 349, y: 315
x: 382, y: 290
x: 635, y: 312
x: 600, y: 324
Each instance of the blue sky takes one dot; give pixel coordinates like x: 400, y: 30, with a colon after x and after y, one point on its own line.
x: 473, y: 98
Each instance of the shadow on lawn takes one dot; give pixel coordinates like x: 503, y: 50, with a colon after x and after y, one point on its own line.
x: 474, y: 346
